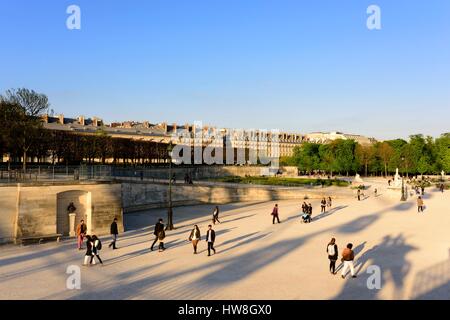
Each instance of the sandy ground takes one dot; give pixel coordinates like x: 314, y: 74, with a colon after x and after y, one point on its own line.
x: 255, y: 259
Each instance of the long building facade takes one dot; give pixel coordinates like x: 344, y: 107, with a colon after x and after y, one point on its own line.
x: 234, y: 146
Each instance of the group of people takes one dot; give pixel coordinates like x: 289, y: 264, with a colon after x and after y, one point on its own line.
x: 307, y: 210
x: 419, y: 190
x: 188, y: 179
x: 360, y: 192
x: 195, y: 237
x: 93, y: 243
x: 326, y: 202
x: 348, y: 256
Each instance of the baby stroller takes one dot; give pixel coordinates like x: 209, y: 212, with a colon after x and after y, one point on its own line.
x: 306, y: 218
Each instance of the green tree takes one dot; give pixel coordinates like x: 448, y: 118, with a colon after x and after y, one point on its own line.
x: 27, y: 124
x: 442, y: 149
x: 307, y: 157
x: 365, y: 155
x: 385, y: 152
x: 423, y: 165
x: 327, y: 158
x: 345, y: 160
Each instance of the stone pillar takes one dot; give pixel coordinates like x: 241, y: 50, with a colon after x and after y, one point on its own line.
x: 72, y: 217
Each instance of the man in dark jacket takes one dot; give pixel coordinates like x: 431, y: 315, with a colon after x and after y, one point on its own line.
x: 114, y: 232
x: 210, y: 239
x: 159, y: 227
x: 275, y: 214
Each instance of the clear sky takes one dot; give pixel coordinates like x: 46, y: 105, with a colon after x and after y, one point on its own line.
x: 291, y: 65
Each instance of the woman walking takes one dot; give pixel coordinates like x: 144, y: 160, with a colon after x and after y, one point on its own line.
x: 96, y: 247
x: 329, y: 203
x: 88, y: 254
x: 323, y: 204
x: 419, y: 204
x: 332, y: 251
x: 195, y: 237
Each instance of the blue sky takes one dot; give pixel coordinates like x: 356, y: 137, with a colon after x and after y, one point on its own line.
x: 291, y: 65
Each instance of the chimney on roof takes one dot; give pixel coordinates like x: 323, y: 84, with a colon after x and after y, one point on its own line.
x: 96, y: 122
x: 174, y: 128
x: 164, y: 126
x: 61, y: 119
x: 45, y: 118
x: 146, y: 124
x: 81, y: 120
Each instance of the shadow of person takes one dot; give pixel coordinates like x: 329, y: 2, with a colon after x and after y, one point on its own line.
x: 328, y: 213
x: 390, y: 257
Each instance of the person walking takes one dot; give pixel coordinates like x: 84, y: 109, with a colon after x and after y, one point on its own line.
x: 210, y: 239
x: 216, y: 215
x: 376, y: 192
x: 275, y: 214
x: 114, y: 231
x: 304, y: 207
x: 442, y: 187
x: 323, y: 205
x: 195, y: 237
x: 81, y: 233
x: 419, y: 204
x: 332, y: 251
x: 329, y: 202
x: 359, y: 194
x: 88, y: 254
x: 310, y: 209
x: 96, y: 247
x: 347, y: 258
x: 159, y: 227
x: 161, y: 237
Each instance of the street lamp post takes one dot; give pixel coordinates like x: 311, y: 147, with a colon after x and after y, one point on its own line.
x: 403, y: 198
x: 169, y: 207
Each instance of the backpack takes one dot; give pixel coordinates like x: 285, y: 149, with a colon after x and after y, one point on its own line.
x: 331, y: 251
x: 99, y: 245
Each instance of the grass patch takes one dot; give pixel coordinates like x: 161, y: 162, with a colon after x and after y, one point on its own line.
x: 276, y: 181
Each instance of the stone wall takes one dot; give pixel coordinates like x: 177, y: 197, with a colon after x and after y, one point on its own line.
x: 8, y: 210
x: 202, y: 172
x: 140, y: 196
x: 35, y: 209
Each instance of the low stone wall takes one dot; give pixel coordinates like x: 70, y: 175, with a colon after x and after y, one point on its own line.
x: 140, y: 196
x: 41, y: 209
x: 8, y: 210
x: 203, y: 172
x: 33, y: 210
